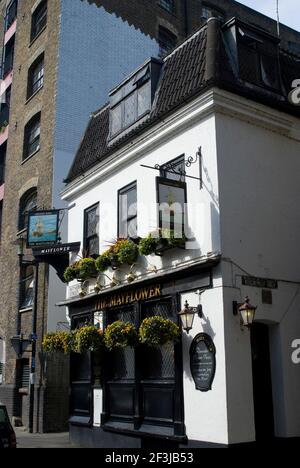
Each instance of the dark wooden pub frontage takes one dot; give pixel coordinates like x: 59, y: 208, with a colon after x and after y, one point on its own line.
x: 139, y: 390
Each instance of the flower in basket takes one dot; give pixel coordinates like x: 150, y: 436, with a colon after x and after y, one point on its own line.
x: 103, y: 262
x: 87, y: 268
x: 156, y: 331
x: 58, y: 342
x: 126, y: 251
x: 72, y: 272
x: 89, y: 338
x: 147, y: 246
x: 120, y: 335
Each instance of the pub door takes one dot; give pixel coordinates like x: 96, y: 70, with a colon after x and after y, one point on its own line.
x: 143, y: 386
x: 262, y: 382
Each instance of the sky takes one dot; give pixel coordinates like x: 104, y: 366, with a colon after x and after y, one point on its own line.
x: 289, y: 10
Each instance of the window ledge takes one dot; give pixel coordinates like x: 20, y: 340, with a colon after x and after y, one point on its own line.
x: 23, y: 391
x: 33, y: 95
x: 37, y: 36
x: 25, y: 310
x: 159, y: 432
x: 30, y: 156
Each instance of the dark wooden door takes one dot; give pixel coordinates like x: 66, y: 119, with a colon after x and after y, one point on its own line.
x: 262, y: 382
x: 120, y: 374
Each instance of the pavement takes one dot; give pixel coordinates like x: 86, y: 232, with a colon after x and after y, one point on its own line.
x: 26, y: 440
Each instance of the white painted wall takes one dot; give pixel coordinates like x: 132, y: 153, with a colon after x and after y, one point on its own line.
x: 206, y: 412
x: 260, y: 231
x: 203, y: 209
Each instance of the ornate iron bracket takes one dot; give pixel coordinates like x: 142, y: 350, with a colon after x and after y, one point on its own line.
x: 172, y: 168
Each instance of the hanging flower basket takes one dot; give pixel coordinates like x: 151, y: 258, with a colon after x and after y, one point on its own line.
x: 147, y: 246
x: 61, y: 342
x: 89, y: 338
x: 120, y: 335
x: 81, y: 270
x: 157, y: 331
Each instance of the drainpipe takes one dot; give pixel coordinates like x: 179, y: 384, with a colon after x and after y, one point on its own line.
x: 33, y: 355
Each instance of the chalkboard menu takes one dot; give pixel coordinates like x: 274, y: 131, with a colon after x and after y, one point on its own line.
x: 203, y: 361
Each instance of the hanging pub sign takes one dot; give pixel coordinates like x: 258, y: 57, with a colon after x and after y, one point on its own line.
x: 203, y: 362
x: 42, y: 228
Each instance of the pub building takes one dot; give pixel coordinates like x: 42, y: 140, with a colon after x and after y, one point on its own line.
x: 196, y: 140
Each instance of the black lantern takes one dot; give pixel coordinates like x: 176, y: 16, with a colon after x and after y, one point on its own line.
x: 246, y: 311
x: 187, y: 316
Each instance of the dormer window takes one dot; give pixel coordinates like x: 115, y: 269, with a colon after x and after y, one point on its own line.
x: 258, y: 59
x: 132, y: 100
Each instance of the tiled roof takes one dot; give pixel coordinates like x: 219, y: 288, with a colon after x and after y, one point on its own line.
x: 201, y: 61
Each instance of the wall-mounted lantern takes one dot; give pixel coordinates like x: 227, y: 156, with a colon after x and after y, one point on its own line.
x: 246, y: 311
x: 187, y: 316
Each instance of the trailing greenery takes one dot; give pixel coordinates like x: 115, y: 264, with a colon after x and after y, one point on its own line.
x: 156, y: 331
x: 103, y: 262
x: 126, y: 251
x: 58, y: 342
x: 72, y: 272
x: 123, y: 252
x: 87, y: 268
x: 89, y: 338
x: 147, y: 245
x: 120, y: 335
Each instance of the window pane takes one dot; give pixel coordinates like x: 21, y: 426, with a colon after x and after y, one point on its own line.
x: 37, y: 76
x: 128, y: 212
x: 28, y: 203
x: 132, y: 228
x: 144, y: 99
x: 93, y: 246
x: 92, y: 222
x: 116, y: 120
x: 129, y: 110
x: 167, y: 4
x: 172, y: 208
x: 39, y: 19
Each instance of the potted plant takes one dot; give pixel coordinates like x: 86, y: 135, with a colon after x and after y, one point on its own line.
x: 103, y: 262
x: 120, y: 335
x: 72, y: 272
x: 176, y: 241
x: 126, y: 251
x: 87, y: 268
x: 58, y: 342
x: 89, y: 338
x: 157, y: 331
x: 147, y: 245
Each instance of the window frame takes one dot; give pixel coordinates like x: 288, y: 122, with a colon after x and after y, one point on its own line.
x: 30, y: 79
x: 42, y: 11
x: 24, y: 279
x: 137, y: 84
x: 28, y: 130
x: 86, y: 238
x: 169, y: 7
x: 26, y: 197
x: 260, y: 50
x: 162, y: 31
x: 122, y: 192
x: 172, y: 183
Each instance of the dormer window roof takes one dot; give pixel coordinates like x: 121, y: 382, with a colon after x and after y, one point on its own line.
x: 256, y: 55
x: 131, y: 101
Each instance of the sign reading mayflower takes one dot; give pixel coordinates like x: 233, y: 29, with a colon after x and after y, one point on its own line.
x: 128, y: 297
x: 42, y: 228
